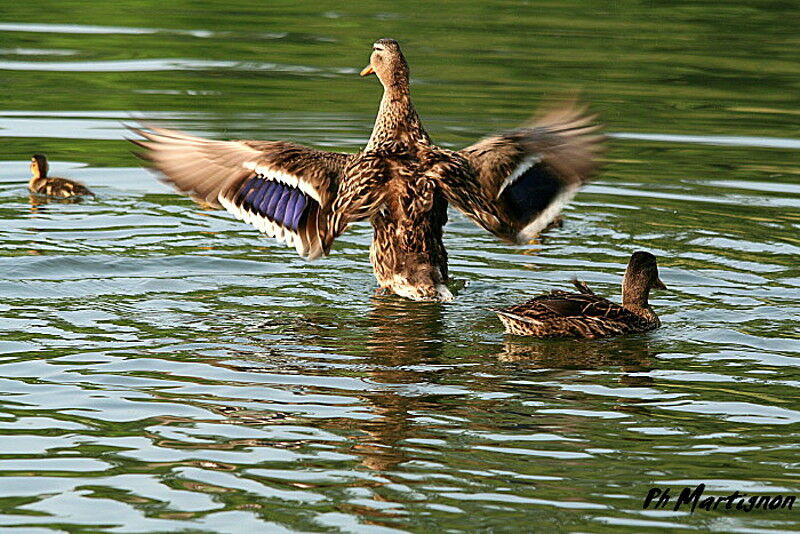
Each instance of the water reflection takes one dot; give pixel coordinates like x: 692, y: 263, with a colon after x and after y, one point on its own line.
x: 404, y: 338
x: 633, y: 352
x: 633, y: 356
x: 39, y: 202
x: 404, y: 333
x: 400, y: 346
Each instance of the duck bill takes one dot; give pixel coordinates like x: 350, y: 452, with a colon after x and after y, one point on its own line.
x: 367, y: 71
x: 659, y: 284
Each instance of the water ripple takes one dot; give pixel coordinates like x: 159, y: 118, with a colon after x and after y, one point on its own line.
x: 163, y: 368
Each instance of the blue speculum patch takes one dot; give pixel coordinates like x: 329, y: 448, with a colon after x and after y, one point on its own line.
x: 266, y: 203
x: 276, y: 201
x: 260, y: 191
x: 299, y: 206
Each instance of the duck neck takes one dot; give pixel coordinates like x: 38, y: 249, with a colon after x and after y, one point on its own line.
x: 36, y: 178
x: 634, y: 299
x: 397, y: 120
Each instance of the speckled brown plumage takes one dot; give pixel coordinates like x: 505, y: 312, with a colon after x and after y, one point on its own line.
x: 584, y: 314
x: 512, y: 184
x: 53, y: 186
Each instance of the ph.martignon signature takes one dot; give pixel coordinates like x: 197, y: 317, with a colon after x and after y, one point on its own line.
x: 692, y: 499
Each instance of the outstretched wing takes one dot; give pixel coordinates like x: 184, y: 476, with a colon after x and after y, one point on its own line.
x: 283, y: 189
x: 517, y: 182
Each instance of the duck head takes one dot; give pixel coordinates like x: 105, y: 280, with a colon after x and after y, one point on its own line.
x: 640, y: 277
x: 387, y: 63
x: 39, y: 166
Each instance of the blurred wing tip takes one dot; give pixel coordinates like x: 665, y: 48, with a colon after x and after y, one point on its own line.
x: 564, y: 112
x: 546, y: 216
x: 142, y: 156
x: 137, y: 142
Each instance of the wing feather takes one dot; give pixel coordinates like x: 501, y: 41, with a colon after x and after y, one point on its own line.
x: 283, y: 189
x: 515, y: 183
x: 562, y: 304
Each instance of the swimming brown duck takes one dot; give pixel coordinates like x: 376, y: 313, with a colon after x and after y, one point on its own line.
x: 512, y: 184
x: 53, y: 186
x: 584, y: 314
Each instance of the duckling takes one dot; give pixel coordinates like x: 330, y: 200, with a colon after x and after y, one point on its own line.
x: 584, y: 314
x: 53, y: 186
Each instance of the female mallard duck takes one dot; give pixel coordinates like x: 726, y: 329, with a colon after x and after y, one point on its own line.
x: 584, y: 314
x: 53, y: 186
x: 512, y: 184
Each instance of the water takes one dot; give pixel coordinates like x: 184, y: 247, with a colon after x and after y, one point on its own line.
x: 163, y: 368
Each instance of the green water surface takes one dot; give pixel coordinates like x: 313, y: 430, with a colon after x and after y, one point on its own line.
x: 166, y: 369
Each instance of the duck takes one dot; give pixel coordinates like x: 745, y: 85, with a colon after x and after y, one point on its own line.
x: 586, y: 315
x: 53, y: 186
x: 512, y: 184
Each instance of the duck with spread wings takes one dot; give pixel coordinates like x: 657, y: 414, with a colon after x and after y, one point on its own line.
x: 511, y: 184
